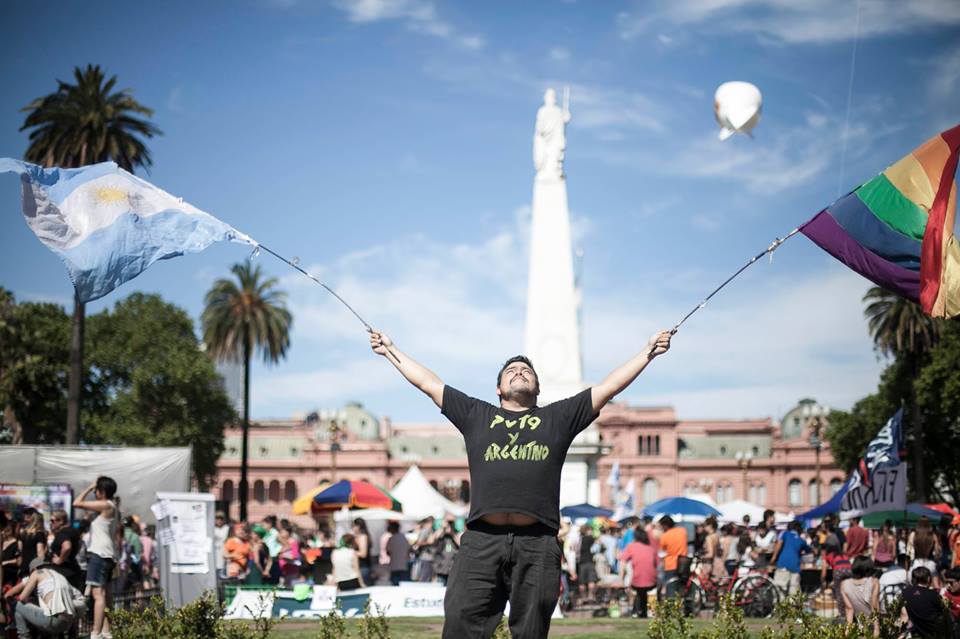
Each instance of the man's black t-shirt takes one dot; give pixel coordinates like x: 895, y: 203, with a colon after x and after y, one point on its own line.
x: 515, y: 457
x: 926, y: 612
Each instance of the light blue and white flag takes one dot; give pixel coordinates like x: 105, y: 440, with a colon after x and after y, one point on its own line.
x: 108, y: 225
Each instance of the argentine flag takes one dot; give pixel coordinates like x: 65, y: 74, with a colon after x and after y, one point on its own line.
x: 108, y: 225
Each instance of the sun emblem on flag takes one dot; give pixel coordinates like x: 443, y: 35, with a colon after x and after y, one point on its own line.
x: 110, y: 195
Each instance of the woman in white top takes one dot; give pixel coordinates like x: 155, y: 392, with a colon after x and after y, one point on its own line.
x: 102, y: 550
x: 60, y: 603
x: 346, y: 564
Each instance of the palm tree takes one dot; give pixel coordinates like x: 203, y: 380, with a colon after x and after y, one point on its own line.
x: 79, y: 124
x: 242, y: 316
x: 902, y: 330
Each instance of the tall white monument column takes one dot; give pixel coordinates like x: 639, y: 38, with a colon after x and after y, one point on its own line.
x: 552, y: 332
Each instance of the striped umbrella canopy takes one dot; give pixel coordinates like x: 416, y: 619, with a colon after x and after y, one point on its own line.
x: 353, y: 494
x: 302, y: 504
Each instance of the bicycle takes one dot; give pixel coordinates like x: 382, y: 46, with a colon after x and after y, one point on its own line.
x: 755, y: 593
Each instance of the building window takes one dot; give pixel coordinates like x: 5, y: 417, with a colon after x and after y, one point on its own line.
x: 689, y: 487
x: 641, y: 449
x: 290, y: 490
x: 795, y: 493
x: 259, y: 492
x: 649, y: 490
x: 274, y: 493
x: 724, y: 493
x: 812, y: 497
x: 723, y: 450
x: 761, y: 495
x: 465, y: 491
x: 835, y: 486
x: 226, y: 491
x: 756, y: 451
x: 656, y: 445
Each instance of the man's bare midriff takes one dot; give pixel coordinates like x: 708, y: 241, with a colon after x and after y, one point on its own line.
x: 509, y: 519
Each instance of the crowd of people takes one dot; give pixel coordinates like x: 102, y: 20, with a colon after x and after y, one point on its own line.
x: 277, y: 552
x: 860, y: 571
x: 53, y: 575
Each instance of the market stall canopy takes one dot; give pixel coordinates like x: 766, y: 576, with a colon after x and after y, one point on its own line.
x: 421, y: 500
x: 585, y: 511
x: 681, y: 506
x: 353, y: 494
x: 906, y: 518
x: 302, y: 504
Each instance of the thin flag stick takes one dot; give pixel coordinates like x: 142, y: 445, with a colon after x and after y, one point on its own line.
x: 329, y: 290
x: 769, y: 250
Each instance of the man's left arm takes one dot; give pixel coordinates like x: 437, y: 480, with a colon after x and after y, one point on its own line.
x: 624, y: 375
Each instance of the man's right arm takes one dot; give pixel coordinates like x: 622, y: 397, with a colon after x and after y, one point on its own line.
x: 415, y: 373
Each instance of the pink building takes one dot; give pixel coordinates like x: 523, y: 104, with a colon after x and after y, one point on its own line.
x: 772, y: 465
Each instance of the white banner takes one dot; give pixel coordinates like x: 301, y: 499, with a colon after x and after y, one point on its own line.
x: 888, y: 491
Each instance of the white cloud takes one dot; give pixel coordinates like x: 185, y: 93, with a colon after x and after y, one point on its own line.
x: 596, y: 107
x: 559, y: 54
x: 945, y: 75
x: 811, y: 21
x: 175, y: 99
x: 419, y: 16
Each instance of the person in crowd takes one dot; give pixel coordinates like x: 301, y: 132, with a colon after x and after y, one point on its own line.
x: 272, y: 540
x: 361, y: 537
x: 33, y: 540
x: 221, y: 530
x: 926, y: 549
x: 132, y: 554
x: 148, y: 560
x: 346, y: 565
x: 60, y: 604
x: 893, y: 580
x: 586, y: 569
x: 10, y: 558
x: 710, y: 558
x: 764, y: 543
x: 608, y: 544
x: 954, y: 541
x: 102, y: 550
x: 728, y: 548
x: 423, y: 549
x: 398, y: 549
x: 236, y: 551
x: 259, y: 560
x: 861, y: 592
x: 673, y: 543
x: 64, y: 549
x: 858, y: 540
x: 786, y: 558
x: 903, y: 539
x: 289, y: 556
x: 642, y: 558
x: 746, y: 553
x: 834, y: 559
x: 446, y: 547
x: 925, y: 609
x: 943, y: 541
x: 951, y: 594
x: 884, y: 550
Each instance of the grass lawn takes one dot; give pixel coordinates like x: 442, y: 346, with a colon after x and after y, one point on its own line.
x: 423, y: 627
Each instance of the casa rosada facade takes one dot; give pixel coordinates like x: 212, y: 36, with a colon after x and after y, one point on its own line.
x: 773, y: 465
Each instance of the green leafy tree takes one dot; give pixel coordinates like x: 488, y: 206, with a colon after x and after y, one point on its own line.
x: 158, y: 385
x: 82, y: 123
x: 243, y: 316
x: 34, y: 345
x: 938, y: 393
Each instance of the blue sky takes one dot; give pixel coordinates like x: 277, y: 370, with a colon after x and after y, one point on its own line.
x: 387, y: 144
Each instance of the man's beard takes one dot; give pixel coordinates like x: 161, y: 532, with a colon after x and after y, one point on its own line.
x: 526, y: 395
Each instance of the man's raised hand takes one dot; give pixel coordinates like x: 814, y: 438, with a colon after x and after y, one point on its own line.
x: 659, y: 343
x: 380, y: 342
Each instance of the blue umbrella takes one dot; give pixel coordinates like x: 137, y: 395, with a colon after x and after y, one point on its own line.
x: 680, y: 506
x: 585, y: 511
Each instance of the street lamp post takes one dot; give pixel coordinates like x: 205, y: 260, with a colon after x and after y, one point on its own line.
x: 815, y: 414
x: 743, y: 461
x: 334, y: 449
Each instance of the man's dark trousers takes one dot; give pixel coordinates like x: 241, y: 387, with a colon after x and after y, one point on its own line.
x: 496, y: 564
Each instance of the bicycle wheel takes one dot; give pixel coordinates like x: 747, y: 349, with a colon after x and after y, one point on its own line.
x: 756, y: 595
x: 690, y: 592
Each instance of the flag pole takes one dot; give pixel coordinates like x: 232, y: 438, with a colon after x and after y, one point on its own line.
x: 769, y: 250
x: 329, y: 290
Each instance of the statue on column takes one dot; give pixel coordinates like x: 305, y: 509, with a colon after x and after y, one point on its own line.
x: 549, y: 138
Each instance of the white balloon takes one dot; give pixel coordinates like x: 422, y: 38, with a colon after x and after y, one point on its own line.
x: 737, y: 108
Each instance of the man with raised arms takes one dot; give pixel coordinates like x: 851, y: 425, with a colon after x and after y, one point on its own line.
x: 515, y: 453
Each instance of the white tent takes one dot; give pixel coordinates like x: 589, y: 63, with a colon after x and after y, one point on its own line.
x: 733, y: 512
x: 421, y: 500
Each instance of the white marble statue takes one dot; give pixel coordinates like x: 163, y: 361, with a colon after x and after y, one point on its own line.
x: 549, y: 138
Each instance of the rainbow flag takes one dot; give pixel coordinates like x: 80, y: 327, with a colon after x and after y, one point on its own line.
x: 897, y: 230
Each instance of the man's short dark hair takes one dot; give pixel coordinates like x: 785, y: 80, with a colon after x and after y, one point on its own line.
x: 952, y: 574
x: 393, y: 527
x: 921, y: 576
x: 863, y: 567
x: 513, y: 360
x: 667, y: 522
x: 795, y: 526
x: 107, y: 486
